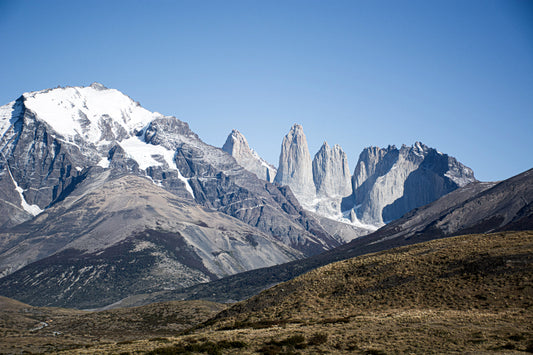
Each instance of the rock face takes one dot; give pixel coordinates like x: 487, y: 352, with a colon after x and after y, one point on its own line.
x: 295, y: 168
x: 387, y: 182
x: 390, y: 182
x: 332, y: 180
x: 331, y: 173
x: 237, y: 146
x: 321, y: 185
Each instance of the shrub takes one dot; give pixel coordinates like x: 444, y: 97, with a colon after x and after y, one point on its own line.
x: 169, y: 350
x: 375, y: 352
x: 208, y: 347
x: 529, y: 347
x: 234, y: 344
x: 163, y: 340
x: 317, y: 339
x: 277, y: 347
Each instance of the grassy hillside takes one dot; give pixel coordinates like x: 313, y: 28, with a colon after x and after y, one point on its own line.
x: 467, y: 294
x: 486, y: 272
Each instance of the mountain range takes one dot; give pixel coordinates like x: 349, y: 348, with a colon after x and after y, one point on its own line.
x: 52, y: 140
x: 386, y: 183
x: 102, y: 200
x: 92, y: 183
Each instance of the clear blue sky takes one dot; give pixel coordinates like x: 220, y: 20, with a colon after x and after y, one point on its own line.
x: 454, y: 74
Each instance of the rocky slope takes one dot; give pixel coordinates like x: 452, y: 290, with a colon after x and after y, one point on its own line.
x: 127, y: 232
x: 237, y: 146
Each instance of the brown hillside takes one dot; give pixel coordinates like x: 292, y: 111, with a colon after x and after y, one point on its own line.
x: 486, y: 272
x: 463, y: 295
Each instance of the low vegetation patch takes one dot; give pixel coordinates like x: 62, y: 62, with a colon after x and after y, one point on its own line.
x: 207, y: 347
x: 261, y: 324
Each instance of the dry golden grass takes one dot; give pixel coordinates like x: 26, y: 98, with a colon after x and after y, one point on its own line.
x: 393, y: 332
x: 469, y: 294
x: 482, y: 272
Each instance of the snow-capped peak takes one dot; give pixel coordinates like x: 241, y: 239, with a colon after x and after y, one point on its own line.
x: 94, y: 119
x: 86, y: 112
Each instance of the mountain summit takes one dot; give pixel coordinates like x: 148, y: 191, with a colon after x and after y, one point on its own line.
x: 331, y: 173
x: 295, y: 167
x: 237, y: 146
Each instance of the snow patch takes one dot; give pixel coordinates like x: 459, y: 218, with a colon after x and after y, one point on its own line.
x: 146, y: 155
x: 329, y: 207
x: 262, y: 161
x: 459, y: 179
x: 104, y: 163
x: 34, y: 210
x: 143, y: 245
x: 187, y: 184
x: 9, y: 114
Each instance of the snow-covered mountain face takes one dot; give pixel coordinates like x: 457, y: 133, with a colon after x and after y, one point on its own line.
x: 237, y: 146
x: 94, y: 116
x: 49, y: 138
